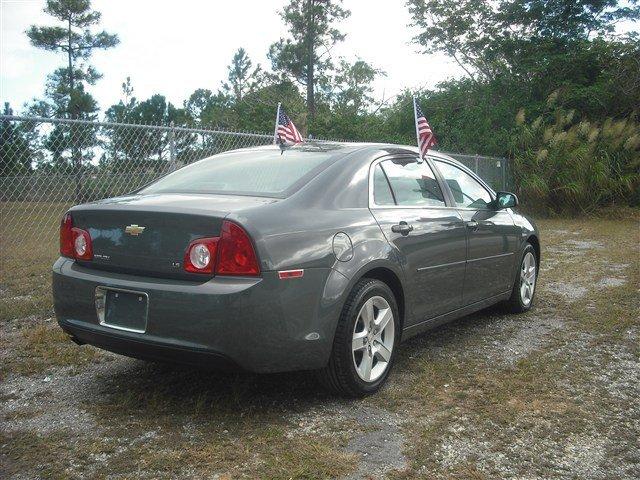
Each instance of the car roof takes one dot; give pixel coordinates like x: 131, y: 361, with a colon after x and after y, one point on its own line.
x: 344, y: 149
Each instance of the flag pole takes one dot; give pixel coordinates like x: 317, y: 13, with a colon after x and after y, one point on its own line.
x: 415, y: 121
x: 275, y: 130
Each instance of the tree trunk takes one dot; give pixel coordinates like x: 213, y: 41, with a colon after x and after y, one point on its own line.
x: 311, y: 104
x: 76, y: 154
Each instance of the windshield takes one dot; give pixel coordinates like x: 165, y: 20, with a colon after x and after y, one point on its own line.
x: 252, y: 172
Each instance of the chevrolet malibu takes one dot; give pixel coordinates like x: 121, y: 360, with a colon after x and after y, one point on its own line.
x: 322, y: 256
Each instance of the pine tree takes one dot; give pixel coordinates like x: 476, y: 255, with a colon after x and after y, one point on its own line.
x: 305, y: 55
x: 66, y: 86
x: 242, y: 77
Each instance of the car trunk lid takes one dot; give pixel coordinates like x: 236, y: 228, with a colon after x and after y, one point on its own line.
x: 148, y: 235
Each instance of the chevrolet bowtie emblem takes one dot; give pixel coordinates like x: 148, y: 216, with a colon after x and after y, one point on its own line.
x: 134, y: 230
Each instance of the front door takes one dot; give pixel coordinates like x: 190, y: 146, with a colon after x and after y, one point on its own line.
x: 409, y: 206
x: 492, y: 236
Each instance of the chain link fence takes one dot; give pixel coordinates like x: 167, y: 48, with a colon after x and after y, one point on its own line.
x: 48, y: 165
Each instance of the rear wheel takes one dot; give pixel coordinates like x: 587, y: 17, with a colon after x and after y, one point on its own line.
x: 365, y: 341
x: 524, y: 286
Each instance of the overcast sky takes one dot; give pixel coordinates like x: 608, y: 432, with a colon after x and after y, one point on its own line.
x: 174, y: 47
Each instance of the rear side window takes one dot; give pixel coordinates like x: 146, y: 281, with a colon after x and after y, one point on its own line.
x: 467, y: 191
x: 253, y: 172
x: 381, y: 192
x: 413, y: 183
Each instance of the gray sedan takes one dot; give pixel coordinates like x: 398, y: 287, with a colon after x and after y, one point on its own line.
x: 321, y: 257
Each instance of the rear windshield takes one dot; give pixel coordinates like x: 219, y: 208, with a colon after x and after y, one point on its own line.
x: 253, y: 172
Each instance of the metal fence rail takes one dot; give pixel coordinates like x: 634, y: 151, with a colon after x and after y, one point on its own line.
x: 47, y: 165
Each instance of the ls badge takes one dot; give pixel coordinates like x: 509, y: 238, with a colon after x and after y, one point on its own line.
x: 134, y: 230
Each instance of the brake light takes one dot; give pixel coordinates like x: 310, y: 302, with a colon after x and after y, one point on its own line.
x: 200, y: 256
x: 66, y: 236
x: 236, y: 255
x: 74, y: 242
x: 231, y: 253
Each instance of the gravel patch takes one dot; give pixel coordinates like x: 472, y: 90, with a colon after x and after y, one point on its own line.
x: 570, y: 292
x: 380, y: 445
x: 585, y: 244
x: 54, y: 401
x: 373, y: 434
x: 610, y: 282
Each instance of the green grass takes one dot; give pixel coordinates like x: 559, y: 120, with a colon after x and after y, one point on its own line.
x: 544, y: 387
x: 159, y: 422
x: 28, y: 248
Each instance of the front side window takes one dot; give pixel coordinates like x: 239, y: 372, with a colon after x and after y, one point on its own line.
x: 413, y: 183
x: 467, y: 191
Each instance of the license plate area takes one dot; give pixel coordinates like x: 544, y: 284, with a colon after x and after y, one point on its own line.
x: 122, y: 309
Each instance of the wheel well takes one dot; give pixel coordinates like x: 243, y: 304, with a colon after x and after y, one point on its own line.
x: 535, y: 243
x: 391, y: 279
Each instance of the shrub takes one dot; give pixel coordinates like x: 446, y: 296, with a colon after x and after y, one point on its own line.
x: 563, y: 164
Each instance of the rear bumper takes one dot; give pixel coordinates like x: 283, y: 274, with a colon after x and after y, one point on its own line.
x: 154, y: 350
x: 259, y: 324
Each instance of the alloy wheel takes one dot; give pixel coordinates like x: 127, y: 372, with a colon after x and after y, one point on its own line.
x: 527, y: 278
x: 373, y: 339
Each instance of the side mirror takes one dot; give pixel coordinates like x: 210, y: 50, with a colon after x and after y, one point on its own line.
x: 506, y: 200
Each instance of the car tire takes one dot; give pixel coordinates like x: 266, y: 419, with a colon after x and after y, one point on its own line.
x: 370, y: 300
x: 524, y: 285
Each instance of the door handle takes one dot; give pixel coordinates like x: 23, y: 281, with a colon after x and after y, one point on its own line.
x: 472, y: 225
x: 402, y: 228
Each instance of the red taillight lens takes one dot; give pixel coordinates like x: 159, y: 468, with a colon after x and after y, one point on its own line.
x: 236, y: 255
x: 66, y: 236
x: 231, y: 253
x: 74, y: 242
x: 200, y: 256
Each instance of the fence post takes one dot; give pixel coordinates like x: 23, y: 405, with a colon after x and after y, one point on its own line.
x: 477, y: 168
x: 76, y: 155
x: 503, y: 164
x: 172, y: 149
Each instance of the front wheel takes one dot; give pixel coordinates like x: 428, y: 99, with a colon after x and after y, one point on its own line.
x: 524, y: 286
x: 365, y: 341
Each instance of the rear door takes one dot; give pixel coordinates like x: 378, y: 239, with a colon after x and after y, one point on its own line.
x: 409, y: 206
x: 492, y: 236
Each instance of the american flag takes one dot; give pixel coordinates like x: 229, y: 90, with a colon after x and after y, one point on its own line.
x: 426, y: 138
x: 286, y: 131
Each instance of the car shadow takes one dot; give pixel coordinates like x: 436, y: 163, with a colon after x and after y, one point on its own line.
x: 136, y: 384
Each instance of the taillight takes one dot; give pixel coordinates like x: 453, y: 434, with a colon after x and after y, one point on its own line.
x: 66, y: 236
x: 200, y: 256
x: 231, y: 253
x: 236, y: 255
x: 74, y: 242
x: 82, y: 247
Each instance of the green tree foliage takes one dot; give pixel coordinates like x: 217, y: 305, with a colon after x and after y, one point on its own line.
x: 489, y: 38
x: 304, y: 56
x: 351, y: 87
x: 141, y: 149
x: 15, y: 151
x: 516, y: 53
x: 205, y: 108
x: 242, y: 77
x: 66, y: 86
